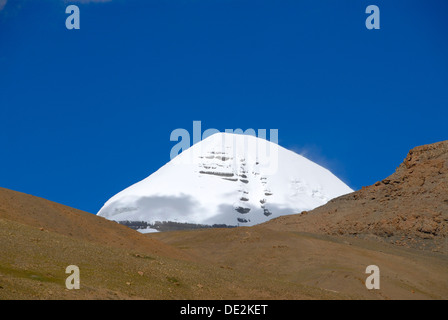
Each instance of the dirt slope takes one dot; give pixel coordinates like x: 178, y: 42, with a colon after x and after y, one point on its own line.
x: 33, y: 263
x: 56, y: 218
x: 409, y: 208
x: 39, y: 239
x: 329, y: 267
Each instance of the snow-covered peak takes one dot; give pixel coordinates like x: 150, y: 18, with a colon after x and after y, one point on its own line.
x: 227, y: 179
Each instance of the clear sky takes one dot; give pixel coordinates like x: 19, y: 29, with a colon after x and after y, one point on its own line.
x: 85, y: 113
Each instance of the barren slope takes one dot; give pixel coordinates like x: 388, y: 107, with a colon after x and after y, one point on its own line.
x: 56, y: 218
x: 328, y: 266
x: 409, y: 208
x: 39, y: 239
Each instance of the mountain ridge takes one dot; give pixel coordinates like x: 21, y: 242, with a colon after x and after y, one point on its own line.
x: 227, y: 179
x: 408, y: 208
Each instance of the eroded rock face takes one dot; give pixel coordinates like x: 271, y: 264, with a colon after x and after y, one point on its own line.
x: 430, y: 152
x: 408, y: 208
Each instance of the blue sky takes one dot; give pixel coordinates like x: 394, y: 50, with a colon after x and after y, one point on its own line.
x: 85, y: 113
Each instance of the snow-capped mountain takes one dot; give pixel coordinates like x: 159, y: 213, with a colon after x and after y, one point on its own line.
x: 227, y: 179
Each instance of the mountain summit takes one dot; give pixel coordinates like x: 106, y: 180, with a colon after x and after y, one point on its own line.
x: 231, y: 179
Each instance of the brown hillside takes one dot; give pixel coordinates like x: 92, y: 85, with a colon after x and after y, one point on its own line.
x: 49, y: 216
x: 409, y: 208
x: 40, y: 238
x: 316, y: 265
